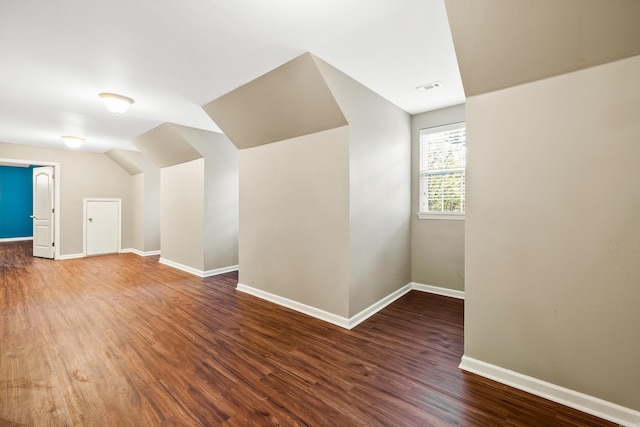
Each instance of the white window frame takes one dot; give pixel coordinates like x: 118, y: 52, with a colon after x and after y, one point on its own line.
x: 423, y: 172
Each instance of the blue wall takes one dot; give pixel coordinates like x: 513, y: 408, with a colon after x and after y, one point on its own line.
x: 16, y: 202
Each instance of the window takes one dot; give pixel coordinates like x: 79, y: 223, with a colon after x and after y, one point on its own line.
x: 442, y: 163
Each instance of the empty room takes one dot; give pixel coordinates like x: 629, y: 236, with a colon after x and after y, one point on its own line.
x: 305, y: 213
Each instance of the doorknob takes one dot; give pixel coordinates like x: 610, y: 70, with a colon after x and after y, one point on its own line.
x: 90, y: 219
x: 32, y: 217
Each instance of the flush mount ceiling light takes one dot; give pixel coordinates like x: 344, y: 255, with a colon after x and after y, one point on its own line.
x: 72, y: 141
x: 118, y: 104
x: 429, y: 86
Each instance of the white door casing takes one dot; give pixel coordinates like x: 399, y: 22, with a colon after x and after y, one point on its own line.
x: 56, y: 193
x: 43, y: 212
x: 102, y: 226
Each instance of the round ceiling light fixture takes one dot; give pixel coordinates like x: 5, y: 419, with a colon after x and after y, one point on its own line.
x: 73, y: 141
x: 118, y: 104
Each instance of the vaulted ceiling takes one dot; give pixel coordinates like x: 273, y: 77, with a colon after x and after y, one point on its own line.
x: 174, y: 56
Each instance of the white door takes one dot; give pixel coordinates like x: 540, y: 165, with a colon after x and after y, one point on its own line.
x: 102, y: 226
x: 43, y: 212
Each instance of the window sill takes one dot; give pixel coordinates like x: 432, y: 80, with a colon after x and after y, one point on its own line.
x: 450, y: 216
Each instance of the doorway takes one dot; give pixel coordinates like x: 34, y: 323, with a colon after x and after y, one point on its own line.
x: 56, y: 195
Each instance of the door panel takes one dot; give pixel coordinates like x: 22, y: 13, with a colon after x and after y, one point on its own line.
x: 43, y: 212
x: 102, y: 219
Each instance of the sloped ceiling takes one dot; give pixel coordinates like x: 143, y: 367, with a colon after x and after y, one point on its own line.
x: 170, y: 144
x: 174, y: 56
x: 289, y: 101
x: 133, y: 162
x: 204, y: 142
x: 503, y: 43
x: 166, y: 146
x: 123, y: 160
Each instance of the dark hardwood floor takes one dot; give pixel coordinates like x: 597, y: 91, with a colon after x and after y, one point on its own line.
x: 122, y: 340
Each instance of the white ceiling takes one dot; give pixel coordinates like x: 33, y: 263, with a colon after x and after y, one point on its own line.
x: 174, y: 56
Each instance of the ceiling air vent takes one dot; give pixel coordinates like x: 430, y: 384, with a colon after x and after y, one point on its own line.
x: 429, y: 86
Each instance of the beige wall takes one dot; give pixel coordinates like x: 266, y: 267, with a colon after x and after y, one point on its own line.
x: 221, y: 195
x: 83, y: 174
x: 325, y: 217
x: 146, y: 210
x: 437, y: 245
x: 379, y: 190
x: 172, y: 145
x: 146, y: 197
x: 553, y: 230
x: 152, y: 209
x: 137, y: 215
x: 294, y: 216
x: 182, y: 214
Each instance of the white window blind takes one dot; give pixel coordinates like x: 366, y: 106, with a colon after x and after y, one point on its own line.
x: 442, y: 169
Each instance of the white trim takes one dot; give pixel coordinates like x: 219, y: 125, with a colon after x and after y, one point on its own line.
x: 179, y: 266
x: 441, y: 215
x: 57, y: 171
x: 221, y: 270
x: 15, y: 239
x: 573, y: 399
x: 195, y: 271
x: 353, y: 321
x: 297, y: 306
x: 424, y: 145
x: 70, y: 256
x: 376, y: 307
x: 139, y: 252
x: 437, y: 290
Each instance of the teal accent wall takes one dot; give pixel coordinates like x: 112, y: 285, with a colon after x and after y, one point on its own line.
x: 16, y: 202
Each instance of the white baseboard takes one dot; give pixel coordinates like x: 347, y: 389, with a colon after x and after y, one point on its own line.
x: 222, y: 270
x: 70, y: 256
x: 14, y: 239
x: 376, y: 307
x: 353, y: 321
x: 343, y: 322
x: 437, y: 290
x: 297, y: 306
x: 139, y: 252
x: 197, y: 272
x: 573, y: 399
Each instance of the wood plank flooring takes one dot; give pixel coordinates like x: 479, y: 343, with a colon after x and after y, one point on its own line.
x: 121, y: 340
